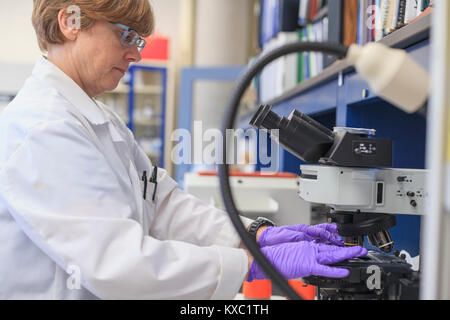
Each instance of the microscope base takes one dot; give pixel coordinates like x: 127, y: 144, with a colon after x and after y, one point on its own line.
x: 375, y: 277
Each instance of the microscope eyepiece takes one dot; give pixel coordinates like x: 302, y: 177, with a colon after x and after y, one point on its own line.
x: 299, y: 134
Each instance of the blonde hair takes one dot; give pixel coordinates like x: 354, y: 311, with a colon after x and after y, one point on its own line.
x: 136, y: 14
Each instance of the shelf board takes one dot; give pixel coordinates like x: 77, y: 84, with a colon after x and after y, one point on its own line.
x: 121, y: 89
x: 148, y: 122
x: 154, y: 155
x: 148, y: 89
x: 410, y: 34
x: 138, y: 89
x: 402, y: 38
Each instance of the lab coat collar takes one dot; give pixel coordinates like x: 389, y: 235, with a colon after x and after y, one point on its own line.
x: 50, y: 74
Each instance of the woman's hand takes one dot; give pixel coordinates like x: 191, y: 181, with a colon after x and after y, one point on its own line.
x: 302, y: 259
x: 321, y: 233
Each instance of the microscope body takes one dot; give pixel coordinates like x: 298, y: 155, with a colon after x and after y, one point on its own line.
x: 364, y: 201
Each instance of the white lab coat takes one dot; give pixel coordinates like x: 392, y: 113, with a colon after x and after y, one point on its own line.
x: 73, y: 221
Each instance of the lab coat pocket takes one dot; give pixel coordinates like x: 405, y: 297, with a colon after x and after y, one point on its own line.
x: 138, y: 195
x: 148, y: 205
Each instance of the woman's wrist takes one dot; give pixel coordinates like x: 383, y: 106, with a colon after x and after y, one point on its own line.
x: 250, y: 257
x: 260, y: 231
x: 250, y: 261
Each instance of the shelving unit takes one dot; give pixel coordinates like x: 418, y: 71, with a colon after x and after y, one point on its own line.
x: 191, y: 76
x: 339, y: 97
x: 140, y: 100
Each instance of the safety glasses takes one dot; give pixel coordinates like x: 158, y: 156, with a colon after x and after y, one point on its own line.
x: 130, y: 37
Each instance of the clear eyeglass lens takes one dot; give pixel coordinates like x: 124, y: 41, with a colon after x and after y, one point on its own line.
x: 130, y: 38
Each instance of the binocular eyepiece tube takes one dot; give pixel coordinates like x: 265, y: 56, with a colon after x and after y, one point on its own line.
x: 301, y: 135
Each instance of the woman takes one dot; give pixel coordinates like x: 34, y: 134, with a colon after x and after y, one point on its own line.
x: 76, y: 221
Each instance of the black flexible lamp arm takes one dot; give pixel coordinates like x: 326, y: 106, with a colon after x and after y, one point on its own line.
x: 243, y: 83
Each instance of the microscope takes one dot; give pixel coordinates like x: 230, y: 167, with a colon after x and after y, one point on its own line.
x: 353, y: 178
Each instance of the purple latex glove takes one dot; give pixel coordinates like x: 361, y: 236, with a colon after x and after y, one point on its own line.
x: 302, y: 259
x: 320, y: 233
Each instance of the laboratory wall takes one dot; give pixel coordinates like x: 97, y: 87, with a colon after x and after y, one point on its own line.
x: 19, y: 47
